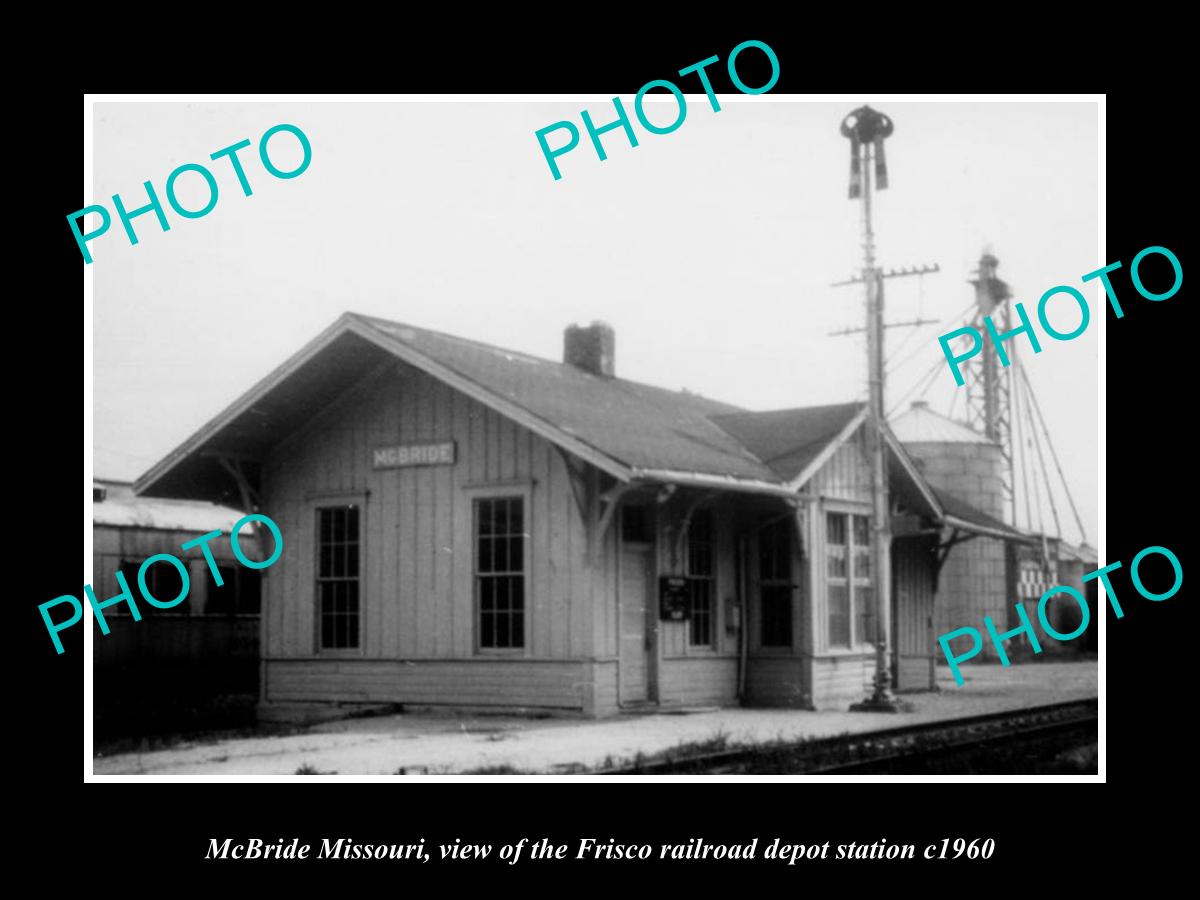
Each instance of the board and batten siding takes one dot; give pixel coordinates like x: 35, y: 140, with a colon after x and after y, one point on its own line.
x: 846, y: 475
x: 700, y: 675
x: 781, y: 676
x: 417, y: 606
x: 841, y: 680
x: 843, y: 484
x: 914, y: 648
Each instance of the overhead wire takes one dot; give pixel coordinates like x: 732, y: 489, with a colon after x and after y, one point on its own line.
x: 1024, y: 462
x: 1037, y: 493
x: 891, y: 366
x: 926, y: 379
x: 1037, y: 444
x: 1054, y: 455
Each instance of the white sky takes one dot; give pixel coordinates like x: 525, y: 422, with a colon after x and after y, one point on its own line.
x: 710, y: 250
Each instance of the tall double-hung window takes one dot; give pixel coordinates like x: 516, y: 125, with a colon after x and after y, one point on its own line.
x: 849, y: 590
x: 338, y: 576
x: 500, y: 572
x: 700, y: 572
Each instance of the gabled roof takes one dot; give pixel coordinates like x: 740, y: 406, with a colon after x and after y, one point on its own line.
x: 790, y: 440
x: 630, y: 430
x: 637, y: 425
x: 961, y: 514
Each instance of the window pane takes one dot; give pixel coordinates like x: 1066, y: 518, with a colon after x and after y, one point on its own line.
x: 862, y: 562
x: 836, y: 551
x: 836, y: 557
x: 700, y: 543
x: 503, y: 630
x: 700, y: 601
x: 862, y: 531
x: 352, y: 524
x: 775, y: 551
x: 835, y: 529
x: 352, y: 560
x: 499, y: 548
x: 839, y: 615
x: 501, y: 594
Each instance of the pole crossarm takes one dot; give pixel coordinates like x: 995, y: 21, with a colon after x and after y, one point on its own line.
x: 892, y: 273
x: 912, y: 323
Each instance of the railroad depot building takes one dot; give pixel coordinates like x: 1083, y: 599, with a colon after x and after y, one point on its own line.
x: 470, y: 526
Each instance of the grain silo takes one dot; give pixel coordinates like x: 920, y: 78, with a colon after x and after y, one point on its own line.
x: 966, y: 465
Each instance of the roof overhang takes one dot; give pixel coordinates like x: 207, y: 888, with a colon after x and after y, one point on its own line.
x: 922, y: 493
x: 315, y: 376
x: 902, y: 468
x: 714, y: 482
x: 977, y: 528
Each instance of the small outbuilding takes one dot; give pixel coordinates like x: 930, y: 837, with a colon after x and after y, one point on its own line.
x: 178, y: 660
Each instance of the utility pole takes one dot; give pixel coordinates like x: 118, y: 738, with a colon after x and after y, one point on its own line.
x: 867, y: 130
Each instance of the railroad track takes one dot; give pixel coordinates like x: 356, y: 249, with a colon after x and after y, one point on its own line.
x: 888, y: 748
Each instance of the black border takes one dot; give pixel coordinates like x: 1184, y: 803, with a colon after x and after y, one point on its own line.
x: 163, y: 828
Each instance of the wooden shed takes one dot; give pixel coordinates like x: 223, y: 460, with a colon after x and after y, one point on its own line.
x: 471, y: 526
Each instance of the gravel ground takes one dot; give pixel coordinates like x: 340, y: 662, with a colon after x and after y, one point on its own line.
x: 448, y: 743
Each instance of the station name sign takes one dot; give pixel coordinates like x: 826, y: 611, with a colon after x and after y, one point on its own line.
x: 414, y: 455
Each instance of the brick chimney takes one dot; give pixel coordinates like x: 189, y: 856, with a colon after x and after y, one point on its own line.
x: 590, y: 348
